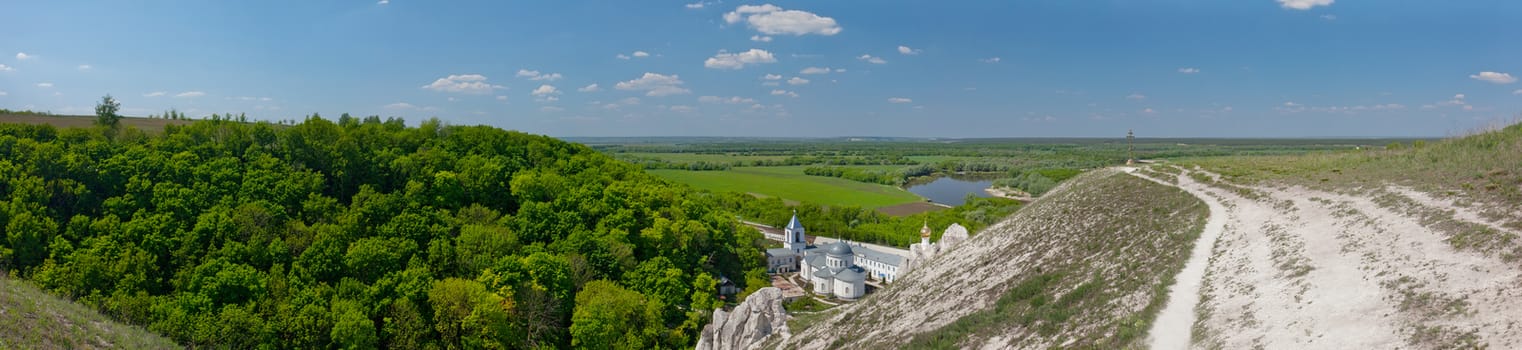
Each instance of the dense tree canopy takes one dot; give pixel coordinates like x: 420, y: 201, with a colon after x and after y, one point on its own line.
x: 364, y: 233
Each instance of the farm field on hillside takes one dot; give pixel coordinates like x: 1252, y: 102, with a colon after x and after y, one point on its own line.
x: 76, y: 121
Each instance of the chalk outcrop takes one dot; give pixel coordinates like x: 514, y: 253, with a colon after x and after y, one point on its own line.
x: 919, y: 253
x: 953, y: 235
x: 758, y: 317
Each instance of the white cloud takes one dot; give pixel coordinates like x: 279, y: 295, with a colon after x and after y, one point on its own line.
x: 761, y: 38
x: 681, y: 108
x: 908, y: 51
x: 546, y: 93
x: 725, y: 60
x: 1494, y: 77
x: 772, y: 20
x: 155, y: 94
x: 5, y: 68
x: 771, y: 83
x: 590, y: 88
x: 1188, y: 70
x: 655, y: 85
x: 695, y: 5
x: 1137, y: 97
x: 536, y: 76
x: 784, y: 93
x: 190, y: 94
x: 872, y: 59
x: 899, y: 100
x: 635, y: 54
x: 990, y: 60
x: 1329, y: 17
x: 797, y: 81
x: 771, y: 77
x: 1517, y: 92
x: 550, y: 109
x: 22, y: 56
x: 501, y: 98
x: 1149, y: 111
x: 3, y: 93
x: 383, y: 2
x: 84, y: 67
x: 400, y: 105
x: 463, y: 83
x: 815, y: 70
x: 1304, y: 4
x: 729, y: 100
x: 45, y: 85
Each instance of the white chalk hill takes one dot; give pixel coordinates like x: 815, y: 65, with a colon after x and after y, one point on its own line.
x: 1088, y: 264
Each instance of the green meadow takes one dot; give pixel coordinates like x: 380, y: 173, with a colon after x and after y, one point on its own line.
x: 790, y: 183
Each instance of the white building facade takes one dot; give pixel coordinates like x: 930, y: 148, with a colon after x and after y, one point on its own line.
x: 837, y: 269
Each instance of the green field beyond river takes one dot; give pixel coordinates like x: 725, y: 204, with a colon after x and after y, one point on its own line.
x: 791, y: 184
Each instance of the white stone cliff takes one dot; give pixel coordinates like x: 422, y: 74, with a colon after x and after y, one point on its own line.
x: 750, y: 323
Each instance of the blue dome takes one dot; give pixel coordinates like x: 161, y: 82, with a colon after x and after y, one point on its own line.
x: 839, y: 249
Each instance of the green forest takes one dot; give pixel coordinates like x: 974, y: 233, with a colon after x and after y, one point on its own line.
x: 366, y: 233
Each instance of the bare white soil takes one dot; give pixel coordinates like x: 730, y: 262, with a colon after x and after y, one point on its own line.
x: 1301, y: 268
x: 1171, y: 329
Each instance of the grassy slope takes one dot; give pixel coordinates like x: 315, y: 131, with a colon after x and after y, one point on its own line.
x: 1485, y: 167
x: 33, y: 319
x: 790, y: 183
x: 1086, y: 266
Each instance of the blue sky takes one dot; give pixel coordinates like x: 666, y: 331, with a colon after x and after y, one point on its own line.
x: 1242, y: 68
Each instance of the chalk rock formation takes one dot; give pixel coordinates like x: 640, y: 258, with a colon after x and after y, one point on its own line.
x: 953, y: 235
x: 921, y: 252
x: 745, y: 327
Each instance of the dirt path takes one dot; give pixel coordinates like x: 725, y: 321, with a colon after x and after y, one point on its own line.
x: 1301, y: 268
x: 1171, y: 329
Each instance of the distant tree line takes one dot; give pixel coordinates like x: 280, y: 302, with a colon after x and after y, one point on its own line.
x: 25, y: 112
x: 649, y: 162
x: 891, y: 178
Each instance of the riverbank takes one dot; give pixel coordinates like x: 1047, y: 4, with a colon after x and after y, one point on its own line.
x: 1009, y: 193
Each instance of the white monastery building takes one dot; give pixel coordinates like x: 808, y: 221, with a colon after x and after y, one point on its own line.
x: 841, y: 269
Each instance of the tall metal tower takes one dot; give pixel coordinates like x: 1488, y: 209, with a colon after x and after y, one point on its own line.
x: 1130, y: 147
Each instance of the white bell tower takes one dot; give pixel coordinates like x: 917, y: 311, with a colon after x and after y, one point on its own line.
x: 793, y: 235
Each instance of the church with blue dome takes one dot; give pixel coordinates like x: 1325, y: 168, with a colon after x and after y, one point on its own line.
x: 837, y: 269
